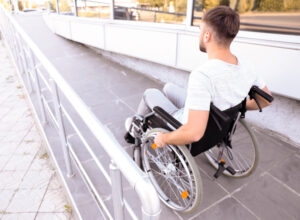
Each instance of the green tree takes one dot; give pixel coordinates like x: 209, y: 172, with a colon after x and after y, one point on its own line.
x: 271, y: 5
x: 180, y: 6
x: 291, y: 5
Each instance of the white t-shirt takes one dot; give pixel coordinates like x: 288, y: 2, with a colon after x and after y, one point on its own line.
x: 223, y: 84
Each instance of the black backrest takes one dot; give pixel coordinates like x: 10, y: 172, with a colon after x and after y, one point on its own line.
x: 218, y: 126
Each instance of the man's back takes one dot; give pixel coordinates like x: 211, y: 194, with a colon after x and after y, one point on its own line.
x: 219, y: 82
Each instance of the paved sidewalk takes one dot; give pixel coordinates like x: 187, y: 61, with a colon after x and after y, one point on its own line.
x: 29, y: 187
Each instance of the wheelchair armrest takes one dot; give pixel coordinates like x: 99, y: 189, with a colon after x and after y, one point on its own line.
x: 257, y: 90
x: 167, y: 117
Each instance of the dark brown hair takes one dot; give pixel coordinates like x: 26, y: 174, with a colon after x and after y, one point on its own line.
x: 224, y: 21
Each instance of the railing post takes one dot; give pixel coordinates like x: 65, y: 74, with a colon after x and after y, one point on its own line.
x: 38, y: 88
x: 57, y: 6
x: 112, y: 9
x: 189, y: 12
x: 75, y: 7
x: 61, y: 128
x: 26, y: 66
x: 117, y: 192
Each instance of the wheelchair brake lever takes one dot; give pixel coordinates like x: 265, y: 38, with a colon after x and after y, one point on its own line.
x: 257, y: 102
x: 253, y: 96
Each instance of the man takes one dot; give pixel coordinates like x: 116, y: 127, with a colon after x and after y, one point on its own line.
x: 223, y: 80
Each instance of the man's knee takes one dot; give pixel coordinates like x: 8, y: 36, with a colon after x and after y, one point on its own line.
x: 168, y: 87
x: 151, y: 92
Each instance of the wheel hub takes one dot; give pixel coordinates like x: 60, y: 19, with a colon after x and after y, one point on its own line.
x: 170, y: 168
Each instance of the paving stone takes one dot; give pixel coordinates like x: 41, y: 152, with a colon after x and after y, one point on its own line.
x: 54, y: 201
x: 41, y: 163
x: 28, y: 148
x: 230, y: 184
x: 272, y: 151
x: 228, y: 209
x: 19, y: 162
x: 133, y: 101
x: 97, y: 96
x: 212, y: 192
x: 53, y: 216
x: 118, y: 130
x: 3, y: 161
x: 55, y: 183
x: 112, y: 111
x: 5, y: 198
x: 8, y: 148
x: 26, y: 200
x: 36, y: 179
x: 11, y: 179
x: 19, y: 216
x: 269, y: 199
x: 288, y: 172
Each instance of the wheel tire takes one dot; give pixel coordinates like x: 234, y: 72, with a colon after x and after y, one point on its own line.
x: 247, y: 128
x: 197, y: 196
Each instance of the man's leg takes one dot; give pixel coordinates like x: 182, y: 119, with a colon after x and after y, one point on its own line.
x: 176, y: 94
x: 152, y: 98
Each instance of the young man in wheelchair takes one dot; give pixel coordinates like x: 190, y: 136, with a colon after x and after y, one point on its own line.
x: 202, y: 118
x: 223, y: 80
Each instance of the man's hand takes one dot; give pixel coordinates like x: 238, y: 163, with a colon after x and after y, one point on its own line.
x: 188, y: 133
x: 159, y: 140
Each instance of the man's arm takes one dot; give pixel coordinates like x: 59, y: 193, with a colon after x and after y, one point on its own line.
x: 192, y: 131
x: 251, y: 104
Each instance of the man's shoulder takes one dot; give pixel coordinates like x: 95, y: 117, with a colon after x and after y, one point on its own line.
x: 214, y: 67
x: 207, y: 69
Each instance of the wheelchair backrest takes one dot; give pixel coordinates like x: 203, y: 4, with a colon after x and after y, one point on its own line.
x: 219, y: 125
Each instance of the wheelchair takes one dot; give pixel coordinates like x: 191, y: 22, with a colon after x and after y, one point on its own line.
x: 228, y: 143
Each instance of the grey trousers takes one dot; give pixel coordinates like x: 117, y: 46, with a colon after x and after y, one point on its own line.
x: 171, y: 99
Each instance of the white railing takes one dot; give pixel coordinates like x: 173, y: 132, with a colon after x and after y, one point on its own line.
x: 29, y: 61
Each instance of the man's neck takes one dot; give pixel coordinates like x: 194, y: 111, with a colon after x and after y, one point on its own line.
x: 223, y: 54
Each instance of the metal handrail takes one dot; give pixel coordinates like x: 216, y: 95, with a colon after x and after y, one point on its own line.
x: 121, y: 161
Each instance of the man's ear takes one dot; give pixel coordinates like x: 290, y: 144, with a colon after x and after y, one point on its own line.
x: 207, y: 36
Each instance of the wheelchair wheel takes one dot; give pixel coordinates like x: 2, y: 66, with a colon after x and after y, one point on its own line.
x: 173, y: 172
x: 243, y: 155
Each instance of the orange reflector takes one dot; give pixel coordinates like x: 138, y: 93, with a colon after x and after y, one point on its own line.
x: 223, y: 161
x: 184, y: 194
x: 154, y: 146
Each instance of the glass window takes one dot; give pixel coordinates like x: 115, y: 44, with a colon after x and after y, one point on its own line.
x: 93, y: 8
x: 66, y: 7
x: 164, y: 11
x: 276, y: 16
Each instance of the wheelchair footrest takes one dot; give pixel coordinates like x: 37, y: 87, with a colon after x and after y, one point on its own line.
x: 128, y: 138
x: 222, y: 167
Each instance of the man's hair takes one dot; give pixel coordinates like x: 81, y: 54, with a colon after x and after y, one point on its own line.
x: 224, y: 21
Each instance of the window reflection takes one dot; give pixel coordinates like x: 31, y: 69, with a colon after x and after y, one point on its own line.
x: 93, y: 8
x: 276, y: 16
x: 164, y: 11
x: 66, y: 7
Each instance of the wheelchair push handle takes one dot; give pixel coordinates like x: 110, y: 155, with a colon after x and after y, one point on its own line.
x: 255, y: 90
